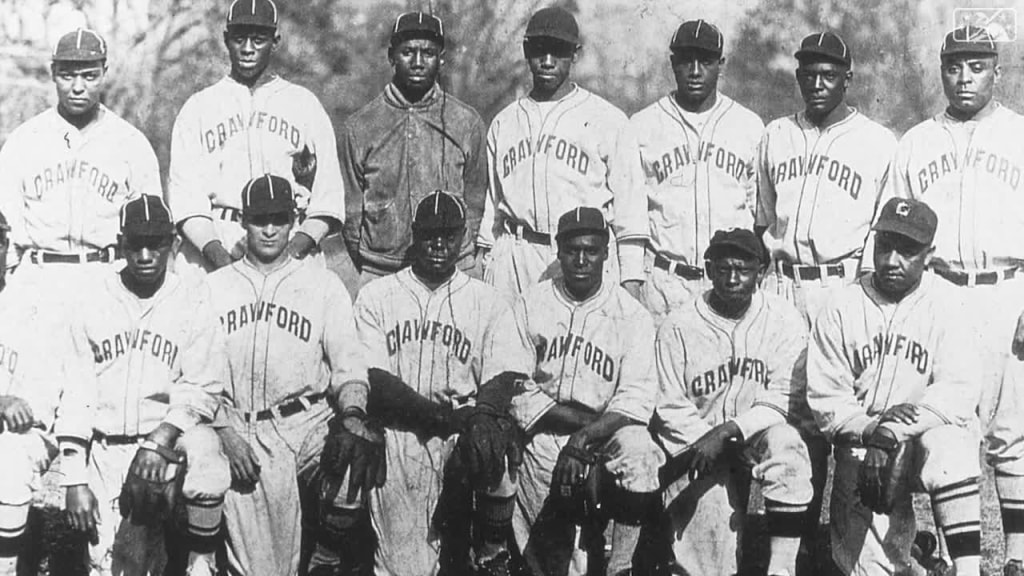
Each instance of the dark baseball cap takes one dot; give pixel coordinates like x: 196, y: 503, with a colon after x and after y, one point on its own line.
x: 697, y: 35
x: 417, y: 25
x: 827, y: 45
x: 907, y: 217
x: 969, y: 40
x: 82, y: 45
x: 260, y: 13
x: 553, y: 22
x: 146, y: 215
x: 736, y: 239
x: 439, y: 210
x: 267, y: 194
x: 581, y: 220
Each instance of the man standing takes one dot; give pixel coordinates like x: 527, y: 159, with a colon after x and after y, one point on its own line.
x: 550, y: 152
x: 820, y: 173
x: 295, y: 365
x: 966, y: 165
x: 697, y: 149
x: 65, y: 174
x: 250, y: 123
x: 893, y: 382
x: 413, y: 138
x: 151, y: 347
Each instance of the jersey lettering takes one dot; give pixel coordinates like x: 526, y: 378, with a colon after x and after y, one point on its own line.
x: 548, y: 144
x: 409, y: 331
x: 895, y: 345
x: 75, y: 170
x: 840, y: 174
x: 8, y: 359
x: 999, y: 166
x: 288, y: 320
x: 723, y: 159
x: 750, y: 369
x: 572, y: 345
x: 215, y: 137
x: 157, y: 345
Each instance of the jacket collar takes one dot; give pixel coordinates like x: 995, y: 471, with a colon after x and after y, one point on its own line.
x: 394, y: 97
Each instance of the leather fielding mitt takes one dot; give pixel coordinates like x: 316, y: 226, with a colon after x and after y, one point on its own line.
x: 304, y: 167
x: 885, y: 472
x: 491, y: 439
x: 353, y: 448
x: 146, y: 503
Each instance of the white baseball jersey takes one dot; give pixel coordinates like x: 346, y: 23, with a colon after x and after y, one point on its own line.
x: 698, y: 173
x: 61, y: 189
x: 714, y: 369
x: 159, y: 359
x: 869, y: 354
x: 818, y: 188
x: 434, y: 341
x: 970, y: 173
x: 546, y: 158
x: 228, y: 134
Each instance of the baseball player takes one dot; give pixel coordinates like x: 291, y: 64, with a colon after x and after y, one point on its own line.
x: 697, y: 150
x: 250, y: 123
x: 426, y: 325
x: 294, y: 364
x: 890, y: 370
x: 66, y: 172
x: 966, y: 164
x: 552, y: 151
x: 820, y: 172
x: 731, y: 370
x: 588, y: 347
x: 32, y: 392
x: 413, y: 138
x: 152, y: 350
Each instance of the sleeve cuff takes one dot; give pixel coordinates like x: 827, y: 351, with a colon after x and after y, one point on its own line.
x: 352, y: 394
x: 631, y: 260
x: 316, y: 228
x: 852, y: 430
x: 528, y: 411
x: 198, y: 230
x: 73, y: 467
x: 181, y: 418
x: 758, y: 418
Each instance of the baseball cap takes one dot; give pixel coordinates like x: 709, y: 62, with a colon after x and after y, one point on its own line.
x: 146, y: 215
x: 267, y: 194
x: 82, y: 45
x: 699, y: 35
x: 825, y: 45
x: 417, y: 25
x: 439, y: 210
x: 907, y: 217
x: 553, y: 22
x: 740, y: 239
x: 968, y: 40
x: 581, y: 220
x: 262, y: 13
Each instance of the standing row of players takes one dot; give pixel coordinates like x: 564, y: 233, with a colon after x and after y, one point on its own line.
x: 812, y: 181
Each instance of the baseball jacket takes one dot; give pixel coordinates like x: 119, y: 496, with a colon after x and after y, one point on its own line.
x: 394, y: 153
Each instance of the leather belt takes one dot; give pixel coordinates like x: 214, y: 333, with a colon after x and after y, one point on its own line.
x: 285, y: 409
x: 976, y: 278
x: 798, y: 271
x: 108, y: 254
x: 118, y: 439
x: 520, y: 231
x: 228, y: 213
x: 679, y: 269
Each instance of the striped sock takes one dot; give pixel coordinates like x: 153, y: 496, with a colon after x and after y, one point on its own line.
x: 957, y: 510
x: 1011, y: 507
x: 204, y: 521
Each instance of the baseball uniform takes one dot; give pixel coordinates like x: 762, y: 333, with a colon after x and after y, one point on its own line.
x: 290, y: 346
x: 817, y: 192
x: 698, y: 174
x: 226, y: 135
x: 597, y: 355
x: 867, y: 355
x: 152, y: 360
x: 545, y: 158
x: 750, y: 370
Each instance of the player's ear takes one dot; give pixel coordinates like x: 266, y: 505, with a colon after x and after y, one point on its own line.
x: 277, y: 42
x: 997, y: 70
x: 577, y: 53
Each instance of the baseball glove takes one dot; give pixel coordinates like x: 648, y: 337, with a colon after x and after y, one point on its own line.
x: 884, y: 473
x: 304, y: 167
x: 147, y: 502
x: 491, y: 438
x: 355, y: 449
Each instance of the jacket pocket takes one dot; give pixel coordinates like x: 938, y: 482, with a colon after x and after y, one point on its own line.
x: 386, y: 228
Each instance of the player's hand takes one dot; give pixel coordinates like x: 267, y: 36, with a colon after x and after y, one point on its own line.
x: 633, y: 287
x: 82, y: 511
x: 16, y: 413
x: 149, y: 465
x: 901, y: 414
x: 871, y: 475
x: 300, y: 245
x: 217, y: 255
x: 245, y: 465
x: 1018, y: 339
x: 708, y: 449
x: 571, y: 469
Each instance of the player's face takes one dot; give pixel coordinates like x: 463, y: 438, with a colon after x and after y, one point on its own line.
x: 416, y: 63
x: 582, y: 261
x: 969, y: 81
x: 550, y: 62
x: 79, y: 86
x: 823, y: 86
x: 267, y: 235
x: 696, y: 73
x: 734, y: 279
x: 899, y: 263
x: 146, y: 257
x: 435, y: 252
x: 249, y: 49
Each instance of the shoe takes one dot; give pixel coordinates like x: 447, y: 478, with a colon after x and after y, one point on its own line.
x: 497, y: 566
x: 201, y: 566
x: 1014, y: 568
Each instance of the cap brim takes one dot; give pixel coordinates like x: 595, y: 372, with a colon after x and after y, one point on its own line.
x: 265, y: 209
x: 705, y: 49
x: 80, y: 56
x: 251, y: 22
x: 553, y: 35
x: 968, y: 50
x: 807, y: 53
x: 713, y: 251
x: 920, y: 238
x: 148, y: 229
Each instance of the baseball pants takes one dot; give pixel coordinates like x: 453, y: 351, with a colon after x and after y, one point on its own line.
x: 809, y: 296
x: 128, y: 550
x: 516, y: 265
x: 664, y: 291
x: 945, y: 466
x: 25, y: 458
